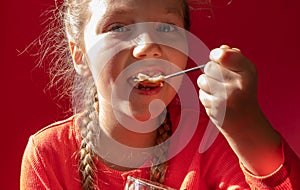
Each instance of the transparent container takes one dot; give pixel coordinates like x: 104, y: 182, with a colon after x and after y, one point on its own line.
x: 144, y: 184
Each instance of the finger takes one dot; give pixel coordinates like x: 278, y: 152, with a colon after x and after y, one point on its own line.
x: 211, y: 86
x: 219, y: 72
x: 215, y: 107
x: 228, y: 47
x: 230, y: 58
x: 205, y: 99
x: 203, y: 83
x: 225, y: 47
x: 237, y: 49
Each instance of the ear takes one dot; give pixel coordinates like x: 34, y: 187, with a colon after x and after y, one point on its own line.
x: 80, y: 64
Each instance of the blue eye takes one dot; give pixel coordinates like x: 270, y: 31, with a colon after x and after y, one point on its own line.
x: 165, y: 27
x: 118, y: 28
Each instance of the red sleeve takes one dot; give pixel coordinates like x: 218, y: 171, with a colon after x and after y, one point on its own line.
x: 50, y: 161
x: 33, y: 174
x: 285, y: 177
x: 219, y: 168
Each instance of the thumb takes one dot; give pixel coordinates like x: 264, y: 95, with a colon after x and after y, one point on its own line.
x: 230, y: 58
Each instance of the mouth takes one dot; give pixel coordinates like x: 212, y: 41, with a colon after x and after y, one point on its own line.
x: 147, y: 82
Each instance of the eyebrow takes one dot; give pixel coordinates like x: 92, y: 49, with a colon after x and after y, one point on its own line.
x: 122, y: 12
x: 128, y: 11
x: 118, y: 11
x: 114, y: 13
x: 174, y: 10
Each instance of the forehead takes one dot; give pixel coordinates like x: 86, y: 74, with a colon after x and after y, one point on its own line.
x: 141, y: 7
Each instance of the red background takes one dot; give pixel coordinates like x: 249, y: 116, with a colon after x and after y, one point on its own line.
x: 268, y: 32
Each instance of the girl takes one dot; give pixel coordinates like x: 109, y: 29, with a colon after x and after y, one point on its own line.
x: 122, y: 127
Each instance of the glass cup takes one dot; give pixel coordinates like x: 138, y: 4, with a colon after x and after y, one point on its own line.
x: 144, y: 184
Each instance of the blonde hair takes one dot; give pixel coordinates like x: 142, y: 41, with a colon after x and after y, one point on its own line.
x: 67, y: 22
x: 75, y: 19
x: 87, y: 122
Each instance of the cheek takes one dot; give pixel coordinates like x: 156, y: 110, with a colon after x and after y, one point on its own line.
x: 103, y: 85
x: 179, y: 59
x: 109, y: 70
x: 110, y: 78
x: 104, y: 78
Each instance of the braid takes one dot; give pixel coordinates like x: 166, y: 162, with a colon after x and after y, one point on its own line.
x: 159, y: 168
x: 88, y: 125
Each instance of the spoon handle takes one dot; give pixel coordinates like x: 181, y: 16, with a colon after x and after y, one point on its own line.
x: 184, y: 71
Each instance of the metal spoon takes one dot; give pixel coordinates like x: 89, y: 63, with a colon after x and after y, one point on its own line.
x: 147, y: 80
x: 184, y: 71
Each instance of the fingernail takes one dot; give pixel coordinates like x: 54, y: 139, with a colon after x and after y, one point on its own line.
x: 224, y: 46
x: 216, y: 54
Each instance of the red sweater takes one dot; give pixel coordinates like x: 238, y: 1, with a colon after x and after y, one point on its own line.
x: 50, y: 162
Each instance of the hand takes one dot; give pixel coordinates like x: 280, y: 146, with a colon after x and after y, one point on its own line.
x: 228, y: 91
x: 228, y: 88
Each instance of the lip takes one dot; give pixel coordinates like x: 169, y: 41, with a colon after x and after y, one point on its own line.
x: 149, y: 66
x: 152, y: 91
x: 150, y: 71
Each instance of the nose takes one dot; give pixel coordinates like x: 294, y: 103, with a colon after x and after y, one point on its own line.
x: 145, y: 48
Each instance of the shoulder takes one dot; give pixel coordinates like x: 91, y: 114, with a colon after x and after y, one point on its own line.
x: 57, y: 136
x: 51, y: 153
x: 64, y: 128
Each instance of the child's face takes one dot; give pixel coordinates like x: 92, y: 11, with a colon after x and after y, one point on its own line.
x: 127, y: 37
